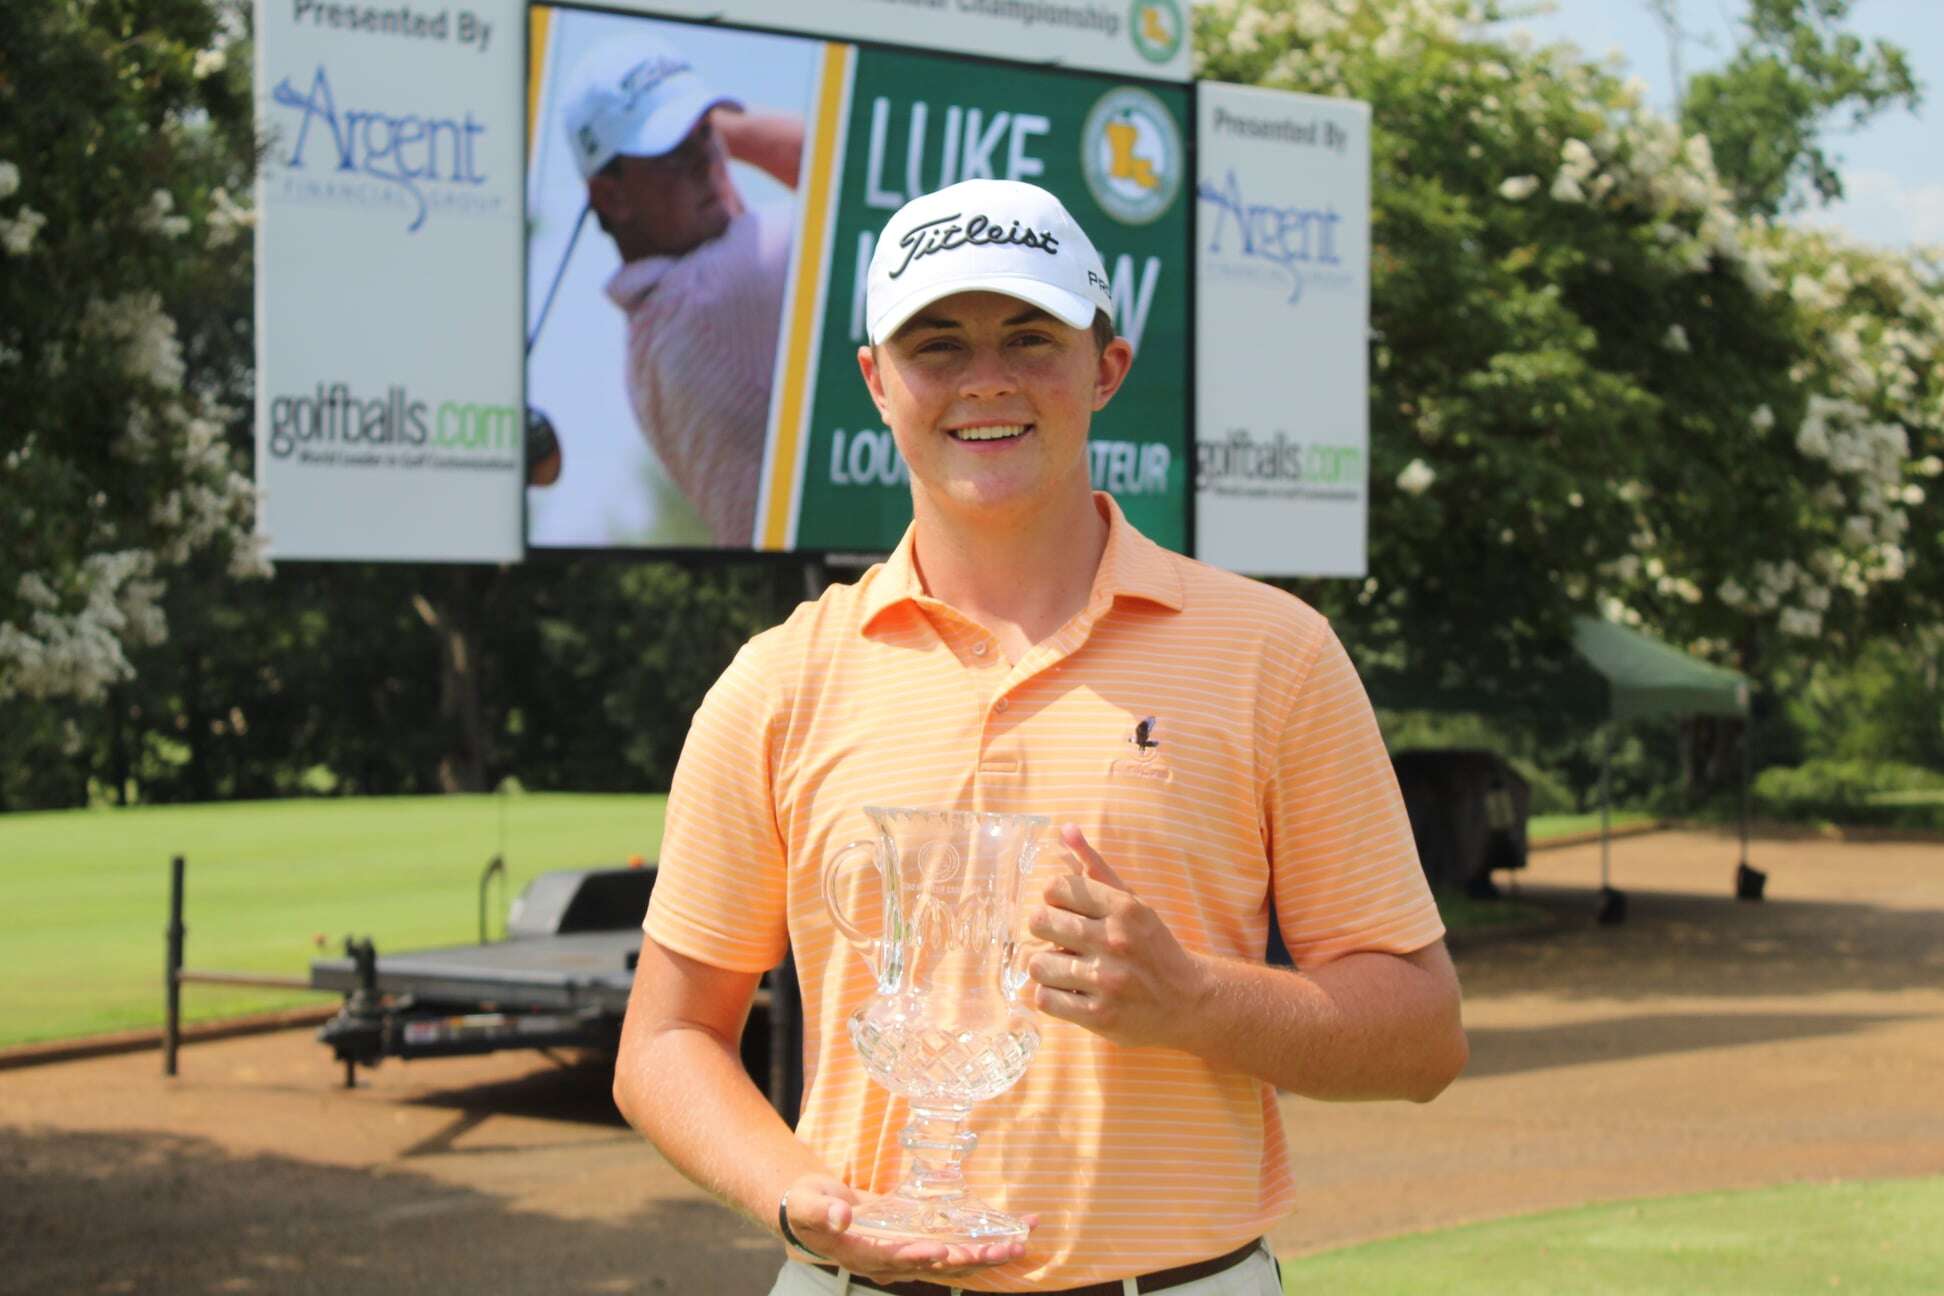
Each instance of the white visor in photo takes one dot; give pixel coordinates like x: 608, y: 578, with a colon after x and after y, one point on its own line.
x: 642, y: 100
x: 671, y: 123
x: 1002, y: 236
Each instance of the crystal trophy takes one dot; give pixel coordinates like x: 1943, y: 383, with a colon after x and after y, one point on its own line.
x: 946, y: 1028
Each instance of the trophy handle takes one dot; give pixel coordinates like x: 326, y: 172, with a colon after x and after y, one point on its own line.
x: 867, y: 945
x: 1020, y: 947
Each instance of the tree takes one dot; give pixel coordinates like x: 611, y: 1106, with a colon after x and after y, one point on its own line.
x: 125, y: 127
x: 1796, y: 74
x: 1597, y: 387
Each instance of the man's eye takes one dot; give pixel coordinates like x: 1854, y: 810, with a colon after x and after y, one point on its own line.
x: 1031, y: 339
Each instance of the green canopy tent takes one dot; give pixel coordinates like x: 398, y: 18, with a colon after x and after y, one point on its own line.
x: 1646, y: 678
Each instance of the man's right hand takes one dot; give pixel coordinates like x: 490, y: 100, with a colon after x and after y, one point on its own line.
x: 821, y: 1209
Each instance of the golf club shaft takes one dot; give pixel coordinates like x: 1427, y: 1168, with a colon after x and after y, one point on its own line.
x: 559, y: 272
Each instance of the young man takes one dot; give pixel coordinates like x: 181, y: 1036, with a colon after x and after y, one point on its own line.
x: 1201, y: 741
x: 702, y: 274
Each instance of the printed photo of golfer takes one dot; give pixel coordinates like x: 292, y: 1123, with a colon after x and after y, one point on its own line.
x: 662, y: 173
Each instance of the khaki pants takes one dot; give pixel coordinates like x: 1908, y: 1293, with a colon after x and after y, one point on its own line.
x: 1255, y: 1276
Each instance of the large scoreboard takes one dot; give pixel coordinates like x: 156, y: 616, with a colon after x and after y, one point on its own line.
x: 471, y: 351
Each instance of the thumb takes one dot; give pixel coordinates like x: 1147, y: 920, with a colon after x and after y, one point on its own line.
x: 1090, y: 862
x: 822, y: 1202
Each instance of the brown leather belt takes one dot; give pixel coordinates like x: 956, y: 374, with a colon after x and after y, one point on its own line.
x: 1159, y: 1280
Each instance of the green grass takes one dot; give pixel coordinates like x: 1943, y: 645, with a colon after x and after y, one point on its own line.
x: 1909, y: 797
x: 84, y: 894
x: 1882, y: 1238
x: 1462, y: 913
x: 1543, y: 828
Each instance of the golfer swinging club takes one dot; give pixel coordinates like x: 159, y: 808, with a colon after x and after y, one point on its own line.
x: 1200, y: 740
x: 702, y: 274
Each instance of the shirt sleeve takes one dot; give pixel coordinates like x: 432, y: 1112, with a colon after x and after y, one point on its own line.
x: 720, y: 883
x: 1345, y: 865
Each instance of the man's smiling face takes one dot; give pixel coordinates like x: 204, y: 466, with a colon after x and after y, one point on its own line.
x: 990, y: 398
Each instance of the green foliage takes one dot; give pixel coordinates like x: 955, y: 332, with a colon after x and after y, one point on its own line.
x: 1597, y: 388
x: 125, y: 126
x: 335, y: 679
x: 1886, y: 703
x: 1855, y: 791
x: 1795, y: 74
x: 1571, y: 344
x: 615, y: 659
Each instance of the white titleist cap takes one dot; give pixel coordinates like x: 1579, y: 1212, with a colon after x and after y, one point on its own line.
x: 641, y: 98
x: 1002, y: 236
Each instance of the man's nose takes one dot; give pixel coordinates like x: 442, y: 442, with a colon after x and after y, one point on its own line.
x: 988, y: 373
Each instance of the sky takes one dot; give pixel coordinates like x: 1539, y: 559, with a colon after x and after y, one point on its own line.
x: 1893, y: 169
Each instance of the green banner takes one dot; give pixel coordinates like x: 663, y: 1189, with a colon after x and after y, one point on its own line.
x: 1115, y: 155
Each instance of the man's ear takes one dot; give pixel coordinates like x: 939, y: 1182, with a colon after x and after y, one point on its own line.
x: 1116, y: 358
x: 867, y: 364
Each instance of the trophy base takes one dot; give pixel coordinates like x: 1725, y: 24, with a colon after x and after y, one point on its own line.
x: 959, y: 1218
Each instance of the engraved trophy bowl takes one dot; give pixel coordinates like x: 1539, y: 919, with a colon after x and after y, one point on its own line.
x: 945, y: 1029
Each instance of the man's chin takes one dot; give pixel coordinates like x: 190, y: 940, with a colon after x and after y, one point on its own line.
x: 713, y: 219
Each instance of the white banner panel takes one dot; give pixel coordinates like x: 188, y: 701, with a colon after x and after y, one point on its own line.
x: 389, y: 416
x: 1146, y: 38
x: 1282, y: 323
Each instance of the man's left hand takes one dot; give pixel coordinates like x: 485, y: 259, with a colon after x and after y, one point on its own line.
x: 1114, y: 968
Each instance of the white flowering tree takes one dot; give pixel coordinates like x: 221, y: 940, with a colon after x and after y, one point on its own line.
x: 1594, y: 378
x: 1869, y: 445
x: 124, y: 327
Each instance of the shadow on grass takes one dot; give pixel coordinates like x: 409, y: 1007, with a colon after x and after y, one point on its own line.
x: 1498, y: 1050
x: 153, y: 1212
x: 1689, y: 946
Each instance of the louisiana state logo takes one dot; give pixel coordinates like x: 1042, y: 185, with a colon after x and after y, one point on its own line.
x: 1131, y: 155
x: 1156, y: 27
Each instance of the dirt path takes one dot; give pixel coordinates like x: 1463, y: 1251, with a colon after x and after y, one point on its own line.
x: 1703, y: 1044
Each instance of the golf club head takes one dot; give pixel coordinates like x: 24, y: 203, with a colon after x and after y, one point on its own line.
x: 543, y: 454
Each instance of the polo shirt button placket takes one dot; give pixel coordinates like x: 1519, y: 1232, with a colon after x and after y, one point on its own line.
x: 1001, y: 705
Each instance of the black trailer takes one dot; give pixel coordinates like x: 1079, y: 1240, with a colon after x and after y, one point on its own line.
x: 558, y: 980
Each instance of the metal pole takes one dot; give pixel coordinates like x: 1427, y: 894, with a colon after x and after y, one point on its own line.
x: 1748, y: 776
x: 1606, y: 802
x: 171, y: 981
x: 495, y: 865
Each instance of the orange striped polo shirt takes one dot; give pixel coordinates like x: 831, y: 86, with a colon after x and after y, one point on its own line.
x: 1269, y: 776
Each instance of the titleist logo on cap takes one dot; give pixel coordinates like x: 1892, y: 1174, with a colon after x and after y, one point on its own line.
x: 929, y: 240
x: 649, y: 73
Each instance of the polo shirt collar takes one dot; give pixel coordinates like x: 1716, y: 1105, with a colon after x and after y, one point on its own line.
x: 1132, y: 567
x: 637, y: 279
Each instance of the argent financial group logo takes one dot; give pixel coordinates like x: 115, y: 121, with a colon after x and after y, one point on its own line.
x: 371, y: 157
x: 1292, y: 245
x: 1132, y: 156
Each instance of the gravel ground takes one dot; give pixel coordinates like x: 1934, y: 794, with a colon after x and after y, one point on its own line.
x: 1704, y: 1044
